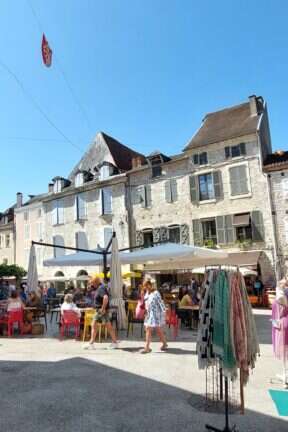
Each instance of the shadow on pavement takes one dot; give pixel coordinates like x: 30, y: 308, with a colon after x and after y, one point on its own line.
x: 82, y: 395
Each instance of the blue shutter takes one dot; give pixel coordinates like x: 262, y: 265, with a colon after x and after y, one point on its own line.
x: 60, y: 205
x: 82, y: 210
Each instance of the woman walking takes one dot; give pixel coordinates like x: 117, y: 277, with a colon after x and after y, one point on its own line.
x: 154, y: 317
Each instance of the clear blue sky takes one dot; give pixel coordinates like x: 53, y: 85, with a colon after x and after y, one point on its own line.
x: 145, y: 72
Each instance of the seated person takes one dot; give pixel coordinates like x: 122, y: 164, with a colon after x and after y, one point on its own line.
x: 186, y: 300
x: 22, y: 293
x: 78, y: 295
x: 34, y: 300
x: 14, y: 302
x: 51, y: 292
x: 68, y: 305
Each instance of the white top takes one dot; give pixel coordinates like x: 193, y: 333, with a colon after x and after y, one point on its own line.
x: 14, y: 305
x: 70, y: 307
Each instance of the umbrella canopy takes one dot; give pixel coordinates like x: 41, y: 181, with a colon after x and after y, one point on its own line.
x: 116, y: 284
x: 32, y: 275
x: 132, y: 274
x: 245, y: 271
x: 165, y: 253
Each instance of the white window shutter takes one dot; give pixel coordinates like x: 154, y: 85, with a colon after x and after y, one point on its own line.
x: 76, y: 212
x: 59, y: 241
x: 107, y: 201
x: 82, y: 210
x: 54, y: 213
x: 286, y: 230
x: 60, y: 212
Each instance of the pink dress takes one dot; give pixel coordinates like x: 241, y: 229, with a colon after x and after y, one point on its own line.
x: 280, y: 330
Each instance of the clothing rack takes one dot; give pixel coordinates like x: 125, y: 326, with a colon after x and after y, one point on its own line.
x: 227, y: 428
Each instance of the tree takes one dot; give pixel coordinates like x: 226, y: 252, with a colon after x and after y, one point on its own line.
x: 12, y: 270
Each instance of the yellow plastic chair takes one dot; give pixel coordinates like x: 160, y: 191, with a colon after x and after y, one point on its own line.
x: 88, y: 319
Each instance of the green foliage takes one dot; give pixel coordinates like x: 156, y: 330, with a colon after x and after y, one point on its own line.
x: 12, y: 270
x: 209, y: 243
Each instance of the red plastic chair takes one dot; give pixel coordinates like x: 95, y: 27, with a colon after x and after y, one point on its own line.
x: 70, y: 319
x: 172, y: 320
x: 15, y: 316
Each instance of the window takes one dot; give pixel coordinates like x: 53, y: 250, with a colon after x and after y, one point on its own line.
x: 7, y: 240
x: 156, y: 171
x: 174, y: 234
x: 105, y: 172
x: 286, y: 229
x: 79, y: 179
x: 39, y: 213
x: 57, y: 212
x: 242, y: 225
x: 1, y: 242
x: 80, y: 207
x: 59, y: 241
x: 209, y: 231
x: 57, y: 186
x: 5, y: 261
x: 200, y: 159
x: 26, y: 232
x: 81, y: 240
x: 142, y: 195
x: 239, y: 180
x: 26, y: 216
x: 235, y: 151
x: 171, y: 190
x: 284, y: 182
x: 106, y: 198
x: 206, y: 187
x: 147, y: 238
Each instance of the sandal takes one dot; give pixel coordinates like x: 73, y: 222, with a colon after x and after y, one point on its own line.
x: 164, y: 347
x: 144, y: 351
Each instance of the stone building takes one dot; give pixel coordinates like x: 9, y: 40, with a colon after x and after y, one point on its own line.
x: 82, y: 211
x: 276, y: 169
x: 214, y: 193
x: 7, y: 236
x: 30, y: 225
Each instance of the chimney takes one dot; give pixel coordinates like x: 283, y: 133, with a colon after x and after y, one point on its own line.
x: 253, y: 105
x: 136, y: 162
x: 31, y: 196
x: 50, y: 187
x: 19, y: 199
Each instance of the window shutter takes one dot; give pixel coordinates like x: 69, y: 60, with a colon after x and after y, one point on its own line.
x: 174, y: 191
x: 286, y: 230
x: 148, y: 197
x: 139, y: 238
x: 76, y: 207
x: 242, y: 148
x: 184, y: 234
x: 196, y: 159
x: 135, y: 195
x: 230, y: 233
x: 142, y: 195
x: 54, y: 213
x: 234, y: 181
x: 81, y: 240
x: 106, y: 201
x: 58, y: 240
x: 217, y: 181
x: 82, y: 209
x: 164, y: 234
x: 168, y: 191
x: 197, y: 232
x: 107, y: 236
x: 193, y: 189
x: 60, y: 212
x: 258, y: 232
x: 227, y: 152
x: 156, y: 235
x: 203, y: 158
x: 243, y: 180
x: 220, y: 228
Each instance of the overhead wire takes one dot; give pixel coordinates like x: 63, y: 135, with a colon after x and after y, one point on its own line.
x: 64, y: 76
x: 36, y: 104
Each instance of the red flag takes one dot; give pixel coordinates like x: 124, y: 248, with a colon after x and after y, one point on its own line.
x: 46, y: 52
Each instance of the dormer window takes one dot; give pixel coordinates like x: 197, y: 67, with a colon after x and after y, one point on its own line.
x: 79, y: 179
x: 105, y: 172
x: 58, y: 185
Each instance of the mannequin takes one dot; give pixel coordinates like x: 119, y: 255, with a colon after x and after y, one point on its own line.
x: 280, y: 328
